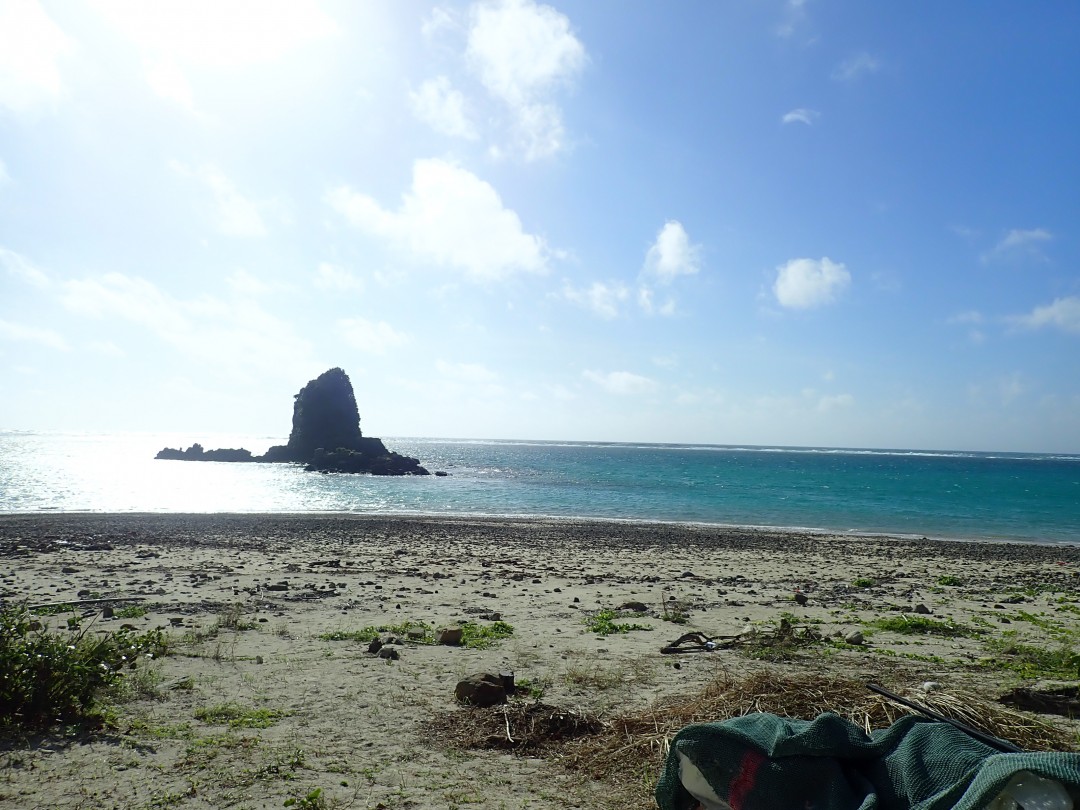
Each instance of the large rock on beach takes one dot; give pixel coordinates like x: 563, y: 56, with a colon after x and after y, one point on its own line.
x: 325, y: 436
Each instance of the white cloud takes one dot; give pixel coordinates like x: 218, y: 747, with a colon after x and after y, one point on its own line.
x: 970, y: 317
x: 834, y: 402
x: 602, y: 298
x: 437, y: 21
x: 32, y: 334
x: 806, y: 283
x: 801, y: 116
x: 373, y: 337
x: 244, y: 282
x: 466, y: 372
x: 5, y: 178
x: 235, y: 213
x: 861, y: 64
x: 31, y: 46
x: 219, y: 33
x: 523, y: 51
x: 451, y: 218
x: 19, y: 266
x: 174, y: 35
x: 1063, y: 314
x: 232, y: 336
x: 648, y: 305
x: 620, y: 382
x: 794, y: 17
x: 442, y: 108
x: 1019, y: 243
x: 168, y: 81
x: 672, y: 255
x: 334, y: 277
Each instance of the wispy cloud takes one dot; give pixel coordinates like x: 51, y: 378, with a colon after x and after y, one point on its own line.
x: 808, y: 283
x: 334, y: 277
x: 234, y: 213
x: 602, y: 298
x: 466, y: 372
x: 373, y: 337
x: 522, y: 52
x: 856, y: 66
x: 235, y: 336
x: 621, y: 382
x: 32, y: 334
x: 1019, y: 243
x: 450, y: 218
x: 17, y: 265
x: 801, y: 115
x: 439, y: 105
x: 794, y: 17
x: 1063, y: 314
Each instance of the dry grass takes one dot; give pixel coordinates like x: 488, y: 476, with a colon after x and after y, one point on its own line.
x: 627, y: 752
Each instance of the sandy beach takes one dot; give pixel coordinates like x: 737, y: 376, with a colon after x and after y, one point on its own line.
x: 263, y: 611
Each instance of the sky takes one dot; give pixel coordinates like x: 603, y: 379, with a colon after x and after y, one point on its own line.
x: 771, y: 222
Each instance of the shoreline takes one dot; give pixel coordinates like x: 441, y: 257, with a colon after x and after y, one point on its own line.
x: 263, y: 613
x: 762, y: 529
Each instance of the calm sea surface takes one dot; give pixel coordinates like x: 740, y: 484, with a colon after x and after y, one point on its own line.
x: 968, y: 495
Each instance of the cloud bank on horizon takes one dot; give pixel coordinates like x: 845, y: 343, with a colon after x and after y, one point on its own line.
x: 786, y: 223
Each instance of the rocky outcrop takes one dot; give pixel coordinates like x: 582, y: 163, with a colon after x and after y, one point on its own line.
x: 197, y: 453
x: 325, y: 436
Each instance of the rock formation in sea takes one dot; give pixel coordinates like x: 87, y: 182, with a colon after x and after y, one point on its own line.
x: 325, y: 436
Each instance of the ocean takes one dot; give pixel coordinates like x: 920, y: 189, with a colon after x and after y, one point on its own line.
x: 979, y: 496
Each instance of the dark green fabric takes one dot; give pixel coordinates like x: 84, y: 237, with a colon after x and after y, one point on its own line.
x: 764, y: 762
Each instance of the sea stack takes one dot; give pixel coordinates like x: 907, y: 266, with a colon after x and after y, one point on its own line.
x: 325, y: 435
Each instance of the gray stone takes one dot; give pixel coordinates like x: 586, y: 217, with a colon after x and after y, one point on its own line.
x: 854, y: 637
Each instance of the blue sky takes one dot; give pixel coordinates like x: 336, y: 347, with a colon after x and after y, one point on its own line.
x: 775, y: 222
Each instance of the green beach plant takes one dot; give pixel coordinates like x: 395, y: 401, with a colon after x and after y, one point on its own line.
x: 60, y: 676
x: 604, y: 623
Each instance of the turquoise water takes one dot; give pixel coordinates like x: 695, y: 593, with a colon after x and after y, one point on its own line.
x: 969, y: 495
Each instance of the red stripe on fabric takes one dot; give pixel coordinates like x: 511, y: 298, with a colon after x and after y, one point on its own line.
x: 744, y: 782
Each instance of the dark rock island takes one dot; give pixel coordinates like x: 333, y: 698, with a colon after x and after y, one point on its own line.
x: 325, y: 436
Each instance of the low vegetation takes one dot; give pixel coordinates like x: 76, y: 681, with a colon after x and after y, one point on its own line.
x: 50, y: 676
x: 604, y: 623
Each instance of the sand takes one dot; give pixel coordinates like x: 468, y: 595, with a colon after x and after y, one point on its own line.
x: 248, y: 599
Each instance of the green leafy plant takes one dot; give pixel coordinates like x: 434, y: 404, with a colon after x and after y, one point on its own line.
x: 482, y: 636
x: 312, y: 801
x: 949, y: 579
x: 864, y: 582
x: 603, y: 623
x: 50, y: 676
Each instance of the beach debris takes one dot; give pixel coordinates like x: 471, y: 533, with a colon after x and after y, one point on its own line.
x: 482, y: 689
x: 800, y: 598
x: 375, y: 645
x: 635, y: 606
x: 389, y: 653
x: 922, y: 609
